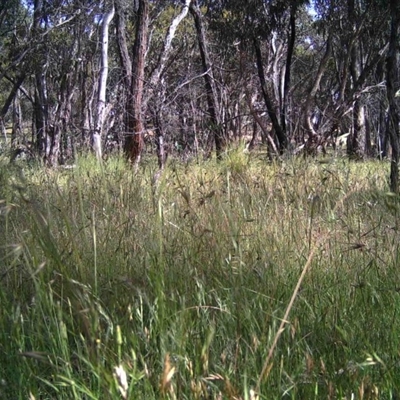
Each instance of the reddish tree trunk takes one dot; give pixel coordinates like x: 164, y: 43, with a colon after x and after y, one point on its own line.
x: 134, y: 140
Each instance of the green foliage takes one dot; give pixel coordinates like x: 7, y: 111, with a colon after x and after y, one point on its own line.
x: 112, y: 286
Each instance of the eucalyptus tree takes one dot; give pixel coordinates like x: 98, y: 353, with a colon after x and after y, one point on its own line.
x: 96, y: 137
x: 145, y: 86
x: 157, y: 86
x: 211, y: 90
x: 393, y: 89
x: 135, y: 128
x: 356, y: 46
x: 266, y: 33
x: 14, y: 55
x: 193, y: 72
x: 47, y: 52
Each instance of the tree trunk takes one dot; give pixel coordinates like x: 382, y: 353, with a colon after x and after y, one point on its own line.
x: 392, y: 82
x: 167, y: 45
x: 288, y: 67
x: 159, y: 131
x: 315, y: 87
x: 358, y: 132
x: 211, y: 90
x: 41, y: 114
x: 125, y: 61
x: 86, y: 103
x: 41, y: 106
x: 279, y: 132
x: 383, y: 133
x: 134, y: 140
x: 101, y: 99
x: 59, y: 121
x: 16, y: 133
x: 122, y: 43
x: 358, y: 121
x: 10, y: 98
x: 3, y: 131
x: 155, y: 82
x: 258, y: 121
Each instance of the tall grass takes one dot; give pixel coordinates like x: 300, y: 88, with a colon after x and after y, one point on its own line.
x: 114, y: 286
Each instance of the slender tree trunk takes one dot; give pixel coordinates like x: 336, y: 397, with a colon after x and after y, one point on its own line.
x: 134, y: 139
x: 368, y: 149
x: 3, y: 130
x: 88, y: 96
x: 122, y: 43
x: 383, y: 133
x: 9, y: 100
x: 392, y: 83
x: 61, y: 120
x: 358, y: 123
x: 288, y: 68
x: 16, y: 121
x: 41, y: 102
x: 167, y: 45
x: 125, y: 61
x: 276, y: 51
x: 257, y: 120
x: 159, y: 131
x: 382, y: 130
x: 155, y: 82
x: 315, y: 87
x: 279, y: 132
x: 358, y: 131
x: 101, y: 99
x: 211, y: 90
x: 11, y: 96
x: 41, y: 114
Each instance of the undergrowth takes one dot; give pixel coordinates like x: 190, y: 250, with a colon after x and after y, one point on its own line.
x: 116, y: 286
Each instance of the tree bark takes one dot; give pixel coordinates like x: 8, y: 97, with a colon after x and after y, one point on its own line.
x: 211, y: 90
x: 167, y: 45
x: 155, y: 82
x: 41, y: 114
x: 315, y: 87
x: 392, y: 82
x: 288, y: 67
x: 10, y: 98
x: 16, y: 133
x: 159, y: 131
x: 125, y: 60
x: 134, y: 139
x: 279, y: 132
x: 101, y: 99
x: 13, y: 92
x: 41, y: 106
x: 122, y: 43
x: 61, y: 120
x: 357, y: 132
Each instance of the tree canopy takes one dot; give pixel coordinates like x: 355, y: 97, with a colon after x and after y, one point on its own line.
x: 304, y: 76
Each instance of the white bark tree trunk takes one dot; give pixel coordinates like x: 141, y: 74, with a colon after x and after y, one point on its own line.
x: 164, y: 55
x: 155, y: 81
x: 101, y: 99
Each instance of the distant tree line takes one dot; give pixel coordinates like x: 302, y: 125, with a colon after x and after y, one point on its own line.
x: 190, y: 76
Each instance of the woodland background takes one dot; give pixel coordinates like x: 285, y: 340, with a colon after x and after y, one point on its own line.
x: 182, y: 77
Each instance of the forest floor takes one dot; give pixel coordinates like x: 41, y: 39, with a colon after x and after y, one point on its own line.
x: 238, y: 280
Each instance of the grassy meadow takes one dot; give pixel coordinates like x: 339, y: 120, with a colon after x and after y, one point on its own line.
x: 238, y: 280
